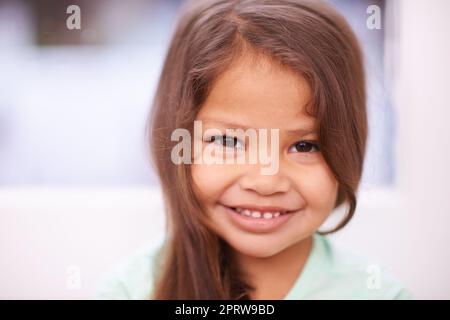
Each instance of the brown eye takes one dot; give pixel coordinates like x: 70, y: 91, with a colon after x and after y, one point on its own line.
x: 304, y: 147
x: 227, y: 141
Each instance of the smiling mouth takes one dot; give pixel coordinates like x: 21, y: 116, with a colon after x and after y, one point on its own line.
x: 261, y: 213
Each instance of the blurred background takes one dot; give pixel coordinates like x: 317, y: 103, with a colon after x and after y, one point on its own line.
x: 77, y: 192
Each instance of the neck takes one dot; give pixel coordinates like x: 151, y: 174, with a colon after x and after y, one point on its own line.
x: 274, y: 276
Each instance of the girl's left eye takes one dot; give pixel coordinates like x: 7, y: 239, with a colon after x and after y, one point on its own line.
x: 304, y: 147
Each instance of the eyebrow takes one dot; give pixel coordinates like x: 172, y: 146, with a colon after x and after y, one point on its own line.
x: 232, y: 125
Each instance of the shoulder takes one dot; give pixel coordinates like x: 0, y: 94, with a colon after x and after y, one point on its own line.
x: 344, y: 274
x: 133, y: 278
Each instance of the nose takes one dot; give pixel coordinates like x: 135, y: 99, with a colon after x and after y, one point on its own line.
x: 264, y: 185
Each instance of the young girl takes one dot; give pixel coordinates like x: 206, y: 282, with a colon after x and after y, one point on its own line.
x: 233, y: 232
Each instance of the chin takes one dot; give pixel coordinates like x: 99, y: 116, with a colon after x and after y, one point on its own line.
x: 255, y: 248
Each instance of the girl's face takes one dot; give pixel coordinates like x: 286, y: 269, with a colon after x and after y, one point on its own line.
x: 277, y: 210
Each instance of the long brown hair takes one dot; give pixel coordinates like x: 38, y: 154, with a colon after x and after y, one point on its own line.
x: 308, y: 37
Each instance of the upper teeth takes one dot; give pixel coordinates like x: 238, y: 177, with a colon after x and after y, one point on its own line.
x: 258, y: 214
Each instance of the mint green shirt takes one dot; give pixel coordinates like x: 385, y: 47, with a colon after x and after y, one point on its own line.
x: 329, y: 273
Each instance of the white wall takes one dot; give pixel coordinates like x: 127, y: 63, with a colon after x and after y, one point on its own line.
x: 409, y: 230
x: 424, y: 143
x: 44, y: 232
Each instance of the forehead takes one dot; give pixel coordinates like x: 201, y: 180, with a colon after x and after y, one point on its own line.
x: 261, y: 93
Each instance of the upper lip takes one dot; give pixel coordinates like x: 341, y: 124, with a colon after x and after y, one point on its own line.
x: 261, y: 208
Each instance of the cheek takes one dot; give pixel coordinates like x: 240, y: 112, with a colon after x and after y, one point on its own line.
x: 319, y: 187
x: 211, y: 181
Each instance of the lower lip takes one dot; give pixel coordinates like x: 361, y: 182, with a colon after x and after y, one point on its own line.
x: 257, y: 225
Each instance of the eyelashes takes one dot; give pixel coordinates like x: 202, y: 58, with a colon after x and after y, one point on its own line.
x: 231, y: 142
x: 305, y: 146
x: 226, y: 141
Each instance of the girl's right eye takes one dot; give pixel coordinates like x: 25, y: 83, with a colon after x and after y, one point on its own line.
x: 226, y: 141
